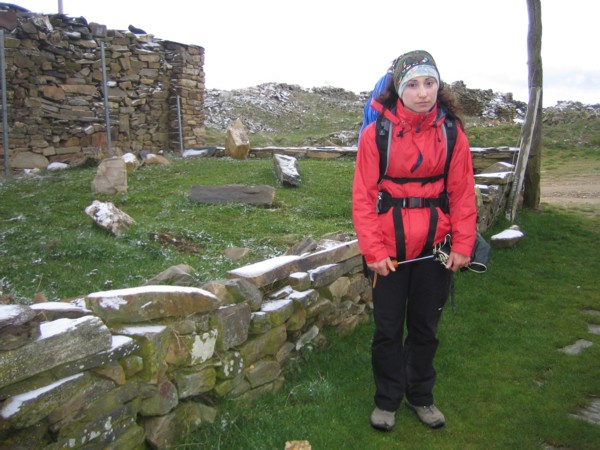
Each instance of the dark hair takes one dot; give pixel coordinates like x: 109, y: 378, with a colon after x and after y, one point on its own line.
x: 445, y: 99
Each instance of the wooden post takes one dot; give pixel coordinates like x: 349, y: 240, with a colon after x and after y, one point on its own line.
x: 527, y: 172
x: 524, y: 151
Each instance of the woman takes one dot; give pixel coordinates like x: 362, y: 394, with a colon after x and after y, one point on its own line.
x: 414, y: 293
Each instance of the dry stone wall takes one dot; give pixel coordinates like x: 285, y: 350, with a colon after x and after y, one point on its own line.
x: 55, y: 91
x: 142, y: 367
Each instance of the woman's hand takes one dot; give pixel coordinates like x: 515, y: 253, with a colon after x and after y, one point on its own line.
x: 457, y: 261
x: 383, y: 267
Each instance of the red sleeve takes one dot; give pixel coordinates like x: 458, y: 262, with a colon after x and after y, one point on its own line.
x: 365, y: 189
x: 461, y: 193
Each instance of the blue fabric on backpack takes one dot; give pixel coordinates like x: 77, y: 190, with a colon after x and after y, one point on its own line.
x: 370, y: 115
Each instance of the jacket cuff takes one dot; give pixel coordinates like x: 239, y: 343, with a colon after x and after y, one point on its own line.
x: 374, y: 257
x: 463, y: 249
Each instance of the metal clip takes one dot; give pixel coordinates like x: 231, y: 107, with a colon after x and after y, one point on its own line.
x: 378, y: 203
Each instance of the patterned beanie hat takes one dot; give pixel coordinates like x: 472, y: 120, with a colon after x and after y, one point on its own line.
x: 411, y: 65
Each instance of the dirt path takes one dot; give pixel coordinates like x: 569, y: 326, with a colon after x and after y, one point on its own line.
x: 575, y: 185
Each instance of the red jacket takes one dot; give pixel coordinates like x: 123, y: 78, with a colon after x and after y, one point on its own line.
x: 418, y: 143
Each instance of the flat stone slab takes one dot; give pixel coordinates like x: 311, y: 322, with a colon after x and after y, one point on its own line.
x: 594, y: 328
x: 577, y: 347
x: 591, y: 413
x: 147, y: 303
x: 234, y: 193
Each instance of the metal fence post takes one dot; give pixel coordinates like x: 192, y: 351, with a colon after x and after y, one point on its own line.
x: 105, y: 92
x: 179, y: 125
x: 4, y: 107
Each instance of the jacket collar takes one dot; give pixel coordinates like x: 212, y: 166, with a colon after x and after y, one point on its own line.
x: 403, y: 116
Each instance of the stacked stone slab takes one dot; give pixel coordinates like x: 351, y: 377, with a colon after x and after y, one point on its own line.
x: 55, y: 91
x: 144, y: 366
x: 493, y: 186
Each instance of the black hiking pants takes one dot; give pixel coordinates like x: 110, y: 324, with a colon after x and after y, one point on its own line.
x: 413, y: 295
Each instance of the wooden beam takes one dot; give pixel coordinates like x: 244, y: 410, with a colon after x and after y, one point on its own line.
x: 525, y: 148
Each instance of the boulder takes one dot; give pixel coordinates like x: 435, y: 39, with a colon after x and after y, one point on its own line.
x: 507, y: 238
x: 237, y: 144
x: 286, y: 170
x: 109, y: 217
x: 150, y: 159
x: 131, y: 161
x: 28, y: 160
x: 111, y: 177
x: 178, y: 275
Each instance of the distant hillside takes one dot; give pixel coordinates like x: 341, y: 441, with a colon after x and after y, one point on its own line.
x: 332, y: 116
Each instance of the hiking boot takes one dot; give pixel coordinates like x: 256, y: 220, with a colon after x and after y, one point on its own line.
x: 429, y: 415
x: 383, y: 420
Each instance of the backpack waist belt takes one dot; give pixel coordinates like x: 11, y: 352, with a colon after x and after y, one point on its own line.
x: 385, y: 202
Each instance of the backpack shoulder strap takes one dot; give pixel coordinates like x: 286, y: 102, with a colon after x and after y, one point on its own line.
x: 382, y: 136
x: 451, y: 133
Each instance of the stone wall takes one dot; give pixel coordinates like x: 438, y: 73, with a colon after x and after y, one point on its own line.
x: 494, y: 175
x: 145, y: 366
x: 55, y: 91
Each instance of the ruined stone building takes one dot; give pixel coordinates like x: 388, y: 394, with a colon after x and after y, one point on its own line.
x: 55, y: 91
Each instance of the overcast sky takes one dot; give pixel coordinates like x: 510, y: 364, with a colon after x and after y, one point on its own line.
x: 349, y: 45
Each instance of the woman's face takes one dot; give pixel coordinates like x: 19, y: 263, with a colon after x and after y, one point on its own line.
x: 420, y: 94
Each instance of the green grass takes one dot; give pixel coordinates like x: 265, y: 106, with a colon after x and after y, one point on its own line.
x: 497, y: 136
x: 49, y: 245
x: 575, y: 136
x: 502, y: 383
